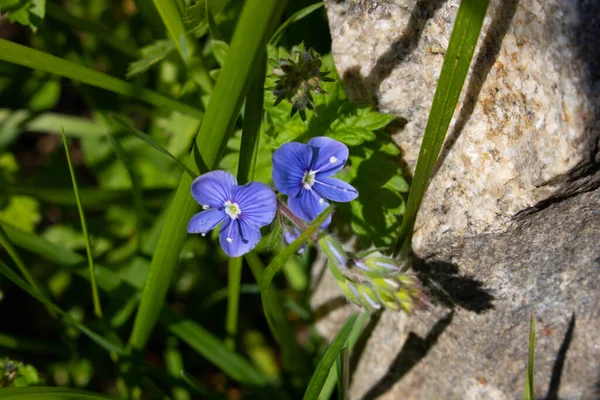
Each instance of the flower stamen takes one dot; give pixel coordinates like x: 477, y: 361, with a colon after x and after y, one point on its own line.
x: 309, y: 179
x: 232, y: 209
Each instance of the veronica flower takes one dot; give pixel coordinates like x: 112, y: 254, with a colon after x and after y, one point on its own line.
x: 302, y: 172
x: 243, y: 210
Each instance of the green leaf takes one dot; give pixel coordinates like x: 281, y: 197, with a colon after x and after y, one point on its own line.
x: 51, y: 393
x: 331, y: 353
x: 230, y: 90
x: 88, y: 246
x: 457, y: 60
x: 529, y: 383
x: 28, y: 57
x: 297, y: 16
x: 26, y: 12
x: 151, y: 54
x: 195, y: 15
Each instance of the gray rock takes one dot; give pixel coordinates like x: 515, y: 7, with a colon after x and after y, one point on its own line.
x: 472, y: 343
x: 528, y: 123
x: 511, y: 220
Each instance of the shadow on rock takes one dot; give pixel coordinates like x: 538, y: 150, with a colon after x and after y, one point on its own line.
x: 414, y: 350
x: 447, y: 287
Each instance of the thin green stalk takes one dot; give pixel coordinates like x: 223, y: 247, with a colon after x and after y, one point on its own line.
x: 529, y: 381
x: 12, y: 252
x: 234, y: 278
x: 247, y: 44
x: 252, y: 121
x: 31, y: 58
x: 452, y: 78
x: 88, y: 246
x: 298, y: 15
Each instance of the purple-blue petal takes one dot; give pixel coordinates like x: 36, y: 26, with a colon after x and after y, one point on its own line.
x: 205, y: 221
x: 243, y: 237
x: 257, y: 203
x: 290, y: 234
x: 290, y: 162
x: 307, y: 206
x: 329, y: 157
x: 213, y: 189
x: 335, y: 189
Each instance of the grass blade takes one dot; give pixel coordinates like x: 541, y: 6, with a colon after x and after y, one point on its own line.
x: 234, y: 280
x: 122, y: 122
x: 295, y: 359
x: 174, y: 23
x: 326, y: 363
x: 188, y: 331
x: 298, y: 15
x: 47, y: 123
x: 86, y: 235
x: 51, y: 393
x: 31, y: 58
x: 452, y: 78
x: 136, y: 189
x: 357, y: 329
x: 12, y: 252
x: 247, y: 44
x: 252, y: 121
x: 92, y: 198
x: 529, y: 384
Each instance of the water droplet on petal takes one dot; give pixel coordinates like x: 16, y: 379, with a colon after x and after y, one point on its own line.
x: 205, y: 207
x: 333, y: 159
x: 321, y: 201
x: 203, y: 234
x: 229, y: 240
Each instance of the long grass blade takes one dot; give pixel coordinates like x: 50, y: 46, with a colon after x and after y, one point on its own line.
x: 331, y: 353
x: 297, y: 16
x: 86, y: 235
x: 47, y: 123
x: 122, y: 122
x: 295, y: 359
x: 529, y: 383
x: 136, y: 188
x: 357, y: 329
x: 51, y: 393
x: 247, y: 44
x: 234, y: 280
x: 188, y: 331
x: 452, y: 78
x: 252, y: 121
x: 92, y: 198
x: 173, y: 21
x: 31, y: 58
x: 12, y: 252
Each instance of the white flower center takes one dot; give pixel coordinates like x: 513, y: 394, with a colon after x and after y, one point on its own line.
x: 232, y: 209
x: 309, y: 179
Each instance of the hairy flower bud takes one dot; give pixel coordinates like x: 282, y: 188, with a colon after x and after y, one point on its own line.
x: 298, y: 76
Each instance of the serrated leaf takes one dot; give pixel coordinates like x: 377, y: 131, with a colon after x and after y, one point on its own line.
x: 151, y: 54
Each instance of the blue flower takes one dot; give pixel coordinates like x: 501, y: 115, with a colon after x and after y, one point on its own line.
x: 243, y: 210
x: 302, y: 172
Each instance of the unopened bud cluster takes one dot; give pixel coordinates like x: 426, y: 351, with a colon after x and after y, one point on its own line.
x: 372, y: 281
x: 298, y: 76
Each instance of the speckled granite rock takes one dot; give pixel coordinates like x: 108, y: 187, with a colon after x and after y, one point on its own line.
x: 511, y: 221
x: 527, y: 126
x: 547, y: 263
